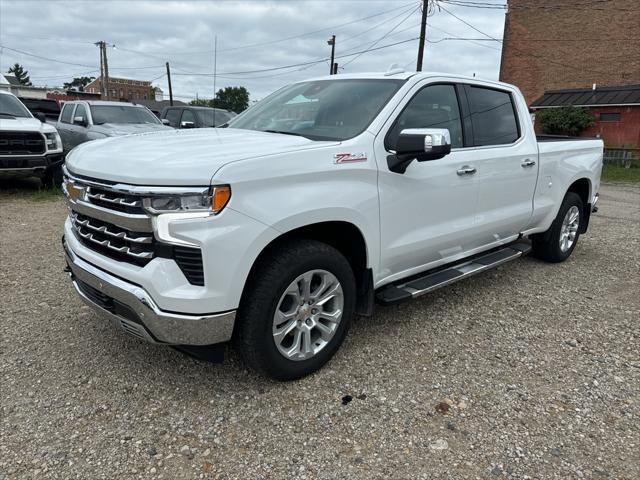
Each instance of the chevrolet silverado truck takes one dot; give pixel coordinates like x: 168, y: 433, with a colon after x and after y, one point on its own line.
x: 29, y: 147
x: 323, y: 199
x: 85, y: 120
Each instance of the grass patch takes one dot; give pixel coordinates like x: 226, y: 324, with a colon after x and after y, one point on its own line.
x: 39, y: 195
x: 614, y: 173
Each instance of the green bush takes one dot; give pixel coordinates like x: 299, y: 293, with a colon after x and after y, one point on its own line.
x: 565, y: 120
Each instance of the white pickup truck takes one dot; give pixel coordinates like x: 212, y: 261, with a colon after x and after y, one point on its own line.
x: 328, y: 196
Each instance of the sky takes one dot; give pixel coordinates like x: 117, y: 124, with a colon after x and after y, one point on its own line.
x: 54, y: 40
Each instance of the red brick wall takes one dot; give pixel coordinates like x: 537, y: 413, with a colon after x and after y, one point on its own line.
x: 555, y: 44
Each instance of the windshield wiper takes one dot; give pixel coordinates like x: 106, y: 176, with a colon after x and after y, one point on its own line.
x: 284, y: 133
x: 8, y: 114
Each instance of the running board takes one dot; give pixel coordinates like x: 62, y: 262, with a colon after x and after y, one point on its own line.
x: 417, y: 286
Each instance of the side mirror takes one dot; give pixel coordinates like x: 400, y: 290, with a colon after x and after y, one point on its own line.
x: 187, y: 125
x: 165, y: 121
x: 421, y: 144
x: 80, y: 121
x: 41, y: 116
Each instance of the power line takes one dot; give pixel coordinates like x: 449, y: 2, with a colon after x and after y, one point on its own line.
x: 298, y: 64
x: 271, y: 42
x: 45, y: 58
x: 381, y: 38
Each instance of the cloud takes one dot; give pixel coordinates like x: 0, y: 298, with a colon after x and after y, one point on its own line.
x: 249, y: 35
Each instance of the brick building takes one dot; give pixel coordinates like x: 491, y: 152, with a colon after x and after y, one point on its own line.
x: 561, y: 44
x: 123, y: 89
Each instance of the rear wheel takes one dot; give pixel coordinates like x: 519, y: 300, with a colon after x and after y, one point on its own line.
x: 296, y: 309
x: 557, y: 244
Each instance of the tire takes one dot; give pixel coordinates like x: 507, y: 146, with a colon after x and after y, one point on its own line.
x: 272, y: 287
x: 556, y: 244
x: 52, y: 178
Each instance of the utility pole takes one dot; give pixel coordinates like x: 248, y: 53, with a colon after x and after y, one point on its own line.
x: 170, y: 89
x: 99, y: 44
x: 215, y: 66
x: 335, y: 68
x: 332, y: 42
x: 423, y: 30
x: 106, y: 69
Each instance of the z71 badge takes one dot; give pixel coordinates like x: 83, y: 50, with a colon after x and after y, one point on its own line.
x: 350, y: 157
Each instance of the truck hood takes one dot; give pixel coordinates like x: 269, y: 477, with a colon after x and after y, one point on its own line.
x: 24, y: 124
x: 178, y: 157
x: 118, y: 129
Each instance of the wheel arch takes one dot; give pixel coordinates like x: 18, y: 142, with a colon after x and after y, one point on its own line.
x: 345, y: 237
x: 582, y: 188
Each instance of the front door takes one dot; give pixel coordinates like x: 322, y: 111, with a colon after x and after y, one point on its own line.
x: 427, y: 214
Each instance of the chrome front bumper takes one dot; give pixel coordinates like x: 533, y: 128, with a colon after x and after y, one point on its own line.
x: 132, y: 309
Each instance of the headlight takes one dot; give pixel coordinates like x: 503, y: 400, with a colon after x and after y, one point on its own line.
x: 212, y: 200
x: 53, y: 141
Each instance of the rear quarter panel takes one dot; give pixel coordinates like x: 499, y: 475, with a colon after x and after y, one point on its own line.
x: 561, y: 164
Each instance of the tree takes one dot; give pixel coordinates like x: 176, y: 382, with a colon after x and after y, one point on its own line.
x: 21, y: 74
x: 232, y: 98
x: 201, y: 102
x: 79, y: 83
x: 567, y: 120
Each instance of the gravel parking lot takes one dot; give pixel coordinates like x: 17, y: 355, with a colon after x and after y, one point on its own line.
x: 528, y: 371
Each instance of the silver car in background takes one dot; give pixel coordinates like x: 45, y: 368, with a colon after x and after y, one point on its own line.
x: 84, y: 120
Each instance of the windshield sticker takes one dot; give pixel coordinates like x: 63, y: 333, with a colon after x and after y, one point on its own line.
x: 350, y: 157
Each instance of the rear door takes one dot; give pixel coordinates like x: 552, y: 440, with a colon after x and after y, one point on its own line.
x: 506, y: 158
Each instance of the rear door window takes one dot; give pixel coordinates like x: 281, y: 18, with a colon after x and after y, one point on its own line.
x: 493, y: 116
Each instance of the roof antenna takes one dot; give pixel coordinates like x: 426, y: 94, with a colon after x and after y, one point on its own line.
x: 393, y: 69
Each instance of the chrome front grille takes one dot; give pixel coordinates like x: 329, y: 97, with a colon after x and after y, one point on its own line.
x: 112, y: 240
x: 120, y: 202
x: 111, y: 220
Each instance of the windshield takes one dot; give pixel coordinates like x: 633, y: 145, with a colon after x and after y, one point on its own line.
x: 12, y: 107
x: 121, y: 114
x: 206, y: 117
x: 320, y: 110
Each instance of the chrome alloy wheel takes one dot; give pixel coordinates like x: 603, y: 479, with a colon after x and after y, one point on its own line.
x: 308, y: 315
x: 569, y: 228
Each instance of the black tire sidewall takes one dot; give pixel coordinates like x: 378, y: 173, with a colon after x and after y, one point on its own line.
x: 570, y: 200
x: 318, y: 256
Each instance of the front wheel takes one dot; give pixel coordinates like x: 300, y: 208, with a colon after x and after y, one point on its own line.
x: 296, y: 309
x: 557, y: 244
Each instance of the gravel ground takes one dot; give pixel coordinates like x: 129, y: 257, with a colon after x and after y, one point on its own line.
x: 528, y: 371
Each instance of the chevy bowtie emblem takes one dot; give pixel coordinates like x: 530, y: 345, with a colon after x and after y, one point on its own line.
x: 350, y: 157
x: 74, y: 192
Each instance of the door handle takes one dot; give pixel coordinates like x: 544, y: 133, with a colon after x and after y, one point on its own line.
x: 528, y: 163
x: 466, y: 170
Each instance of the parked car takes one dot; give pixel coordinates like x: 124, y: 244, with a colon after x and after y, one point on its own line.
x: 195, y: 117
x: 42, y: 108
x: 84, y: 120
x: 28, y: 146
x: 324, y: 198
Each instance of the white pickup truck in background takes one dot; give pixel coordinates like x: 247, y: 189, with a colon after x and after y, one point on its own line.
x: 29, y: 147
x: 327, y: 196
